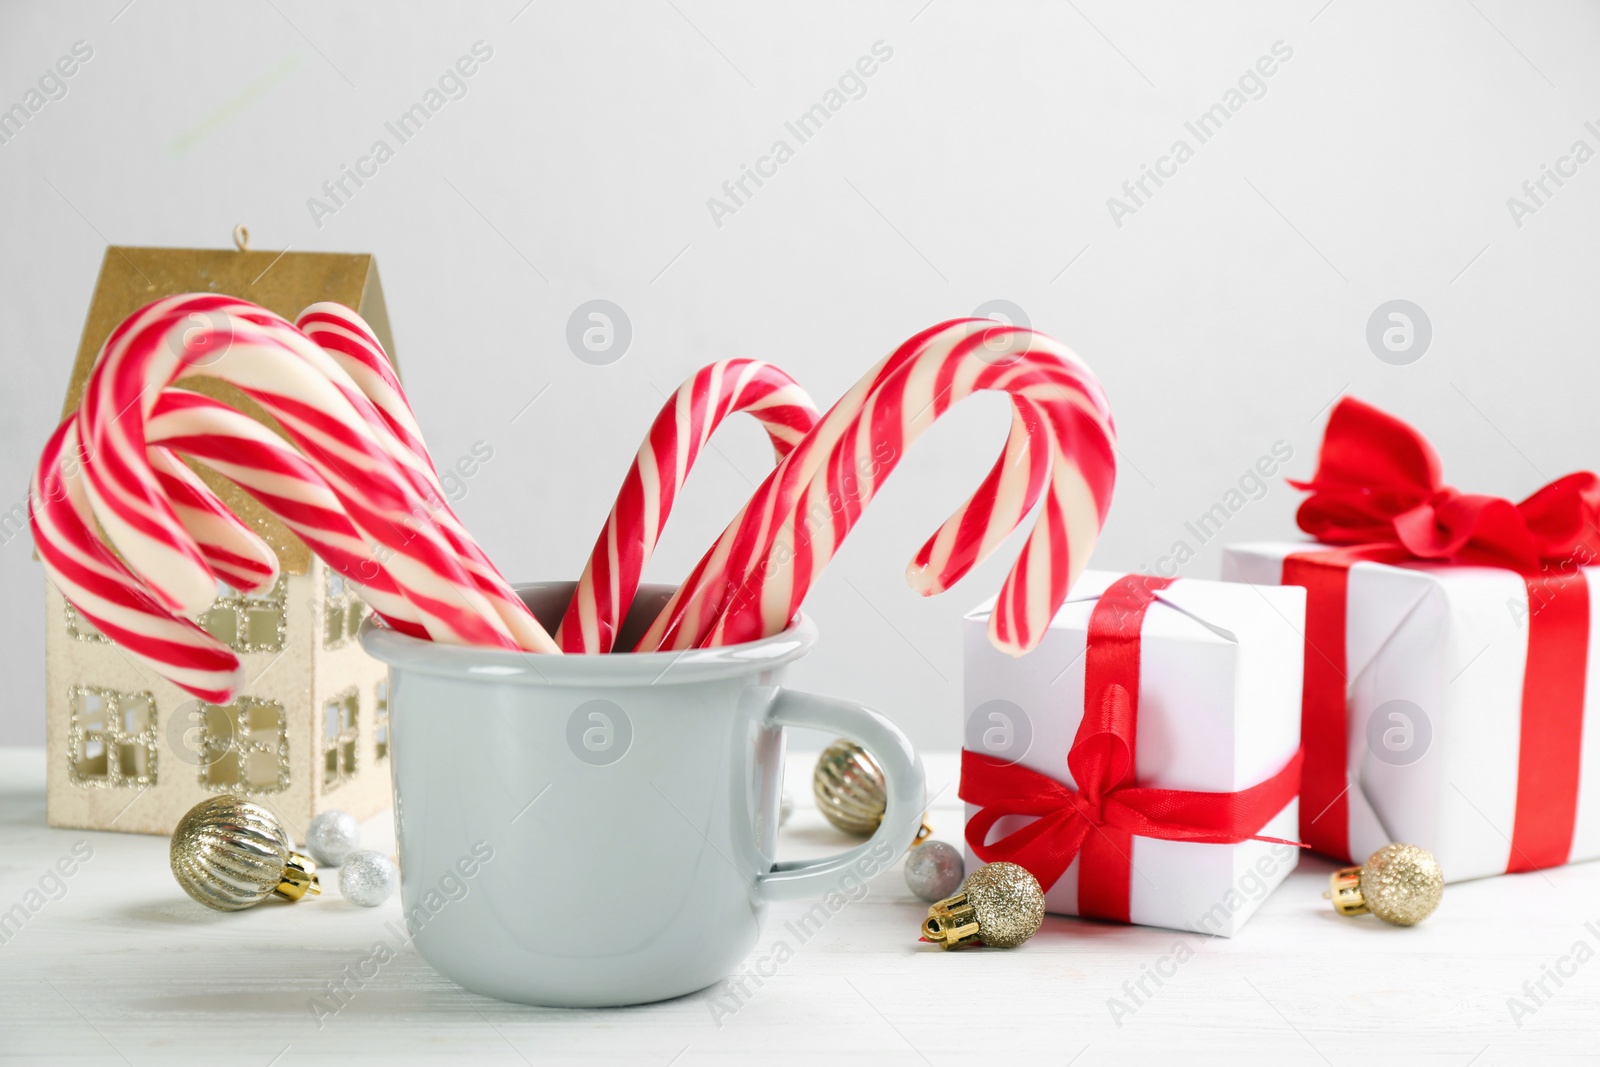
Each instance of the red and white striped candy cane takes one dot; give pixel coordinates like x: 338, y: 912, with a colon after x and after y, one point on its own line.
x: 234, y: 552
x: 322, y: 412
x: 236, y: 446
x: 681, y: 429
x: 1073, y: 419
x: 1064, y: 410
x: 346, y: 351
x: 396, y: 432
x: 91, y: 577
x: 349, y: 342
x: 1009, y: 491
x: 268, y: 468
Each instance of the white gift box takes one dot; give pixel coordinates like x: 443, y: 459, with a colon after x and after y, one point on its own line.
x: 1435, y: 662
x: 1219, y: 711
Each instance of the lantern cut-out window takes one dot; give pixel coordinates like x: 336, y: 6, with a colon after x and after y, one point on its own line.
x: 254, y: 622
x: 243, y: 746
x: 342, y: 611
x: 380, y: 716
x: 339, y: 739
x: 111, y: 737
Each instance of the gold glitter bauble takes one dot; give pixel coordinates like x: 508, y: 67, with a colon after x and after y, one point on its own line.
x: 1000, y: 904
x: 1400, y: 884
x: 231, y: 854
x: 849, y: 788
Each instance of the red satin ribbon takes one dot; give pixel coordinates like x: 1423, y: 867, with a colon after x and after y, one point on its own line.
x: 1378, y: 493
x: 1097, y: 822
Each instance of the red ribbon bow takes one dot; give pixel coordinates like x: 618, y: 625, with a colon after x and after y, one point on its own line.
x: 1378, y: 482
x: 1378, y: 491
x: 1097, y: 821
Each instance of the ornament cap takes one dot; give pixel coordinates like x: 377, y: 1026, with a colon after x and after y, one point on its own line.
x: 1344, y: 889
x: 299, y: 878
x: 952, y: 922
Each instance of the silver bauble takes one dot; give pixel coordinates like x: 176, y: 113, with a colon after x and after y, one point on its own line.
x: 331, y: 836
x: 368, y: 878
x: 934, y: 870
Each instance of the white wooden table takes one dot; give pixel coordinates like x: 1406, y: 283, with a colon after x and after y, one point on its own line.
x: 123, y: 968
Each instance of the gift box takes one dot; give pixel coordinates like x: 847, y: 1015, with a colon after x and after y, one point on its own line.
x: 1143, y: 761
x: 1448, y: 642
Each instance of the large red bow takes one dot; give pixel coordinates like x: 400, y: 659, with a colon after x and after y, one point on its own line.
x: 1098, y: 820
x: 1378, y: 482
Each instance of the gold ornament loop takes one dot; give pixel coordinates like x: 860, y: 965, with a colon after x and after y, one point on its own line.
x: 241, y: 238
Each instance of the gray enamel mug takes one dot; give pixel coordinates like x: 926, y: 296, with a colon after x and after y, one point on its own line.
x: 594, y: 831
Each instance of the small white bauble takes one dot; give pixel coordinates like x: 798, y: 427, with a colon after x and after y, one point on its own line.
x: 368, y: 878
x: 332, y: 836
x: 934, y: 870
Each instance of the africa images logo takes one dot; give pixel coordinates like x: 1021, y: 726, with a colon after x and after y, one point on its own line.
x: 851, y: 85
x: 451, y: 85
x: 1251, y: 85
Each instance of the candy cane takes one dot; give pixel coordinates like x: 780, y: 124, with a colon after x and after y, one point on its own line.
x: 813, y: 505
x: 684, y: 425
x: 269, y: 469
x: 234, y: 552
x: 347, y: 352
x: 347, y: 338
x: 236, y: 446
x: 91, y: 577
x: 322, y: 412
x: 350, y: 343
x: 1011, y: 487
x: 1073, y: 419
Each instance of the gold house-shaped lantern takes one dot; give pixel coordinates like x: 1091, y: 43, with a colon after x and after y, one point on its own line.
x: 130, y: 751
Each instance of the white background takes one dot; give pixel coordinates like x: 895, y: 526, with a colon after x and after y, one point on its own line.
x: 1225, y: 315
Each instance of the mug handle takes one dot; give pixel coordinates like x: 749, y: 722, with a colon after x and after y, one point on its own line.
x: 904, y: 781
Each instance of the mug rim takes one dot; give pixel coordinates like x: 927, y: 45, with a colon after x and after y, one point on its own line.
x: 621, y: 670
